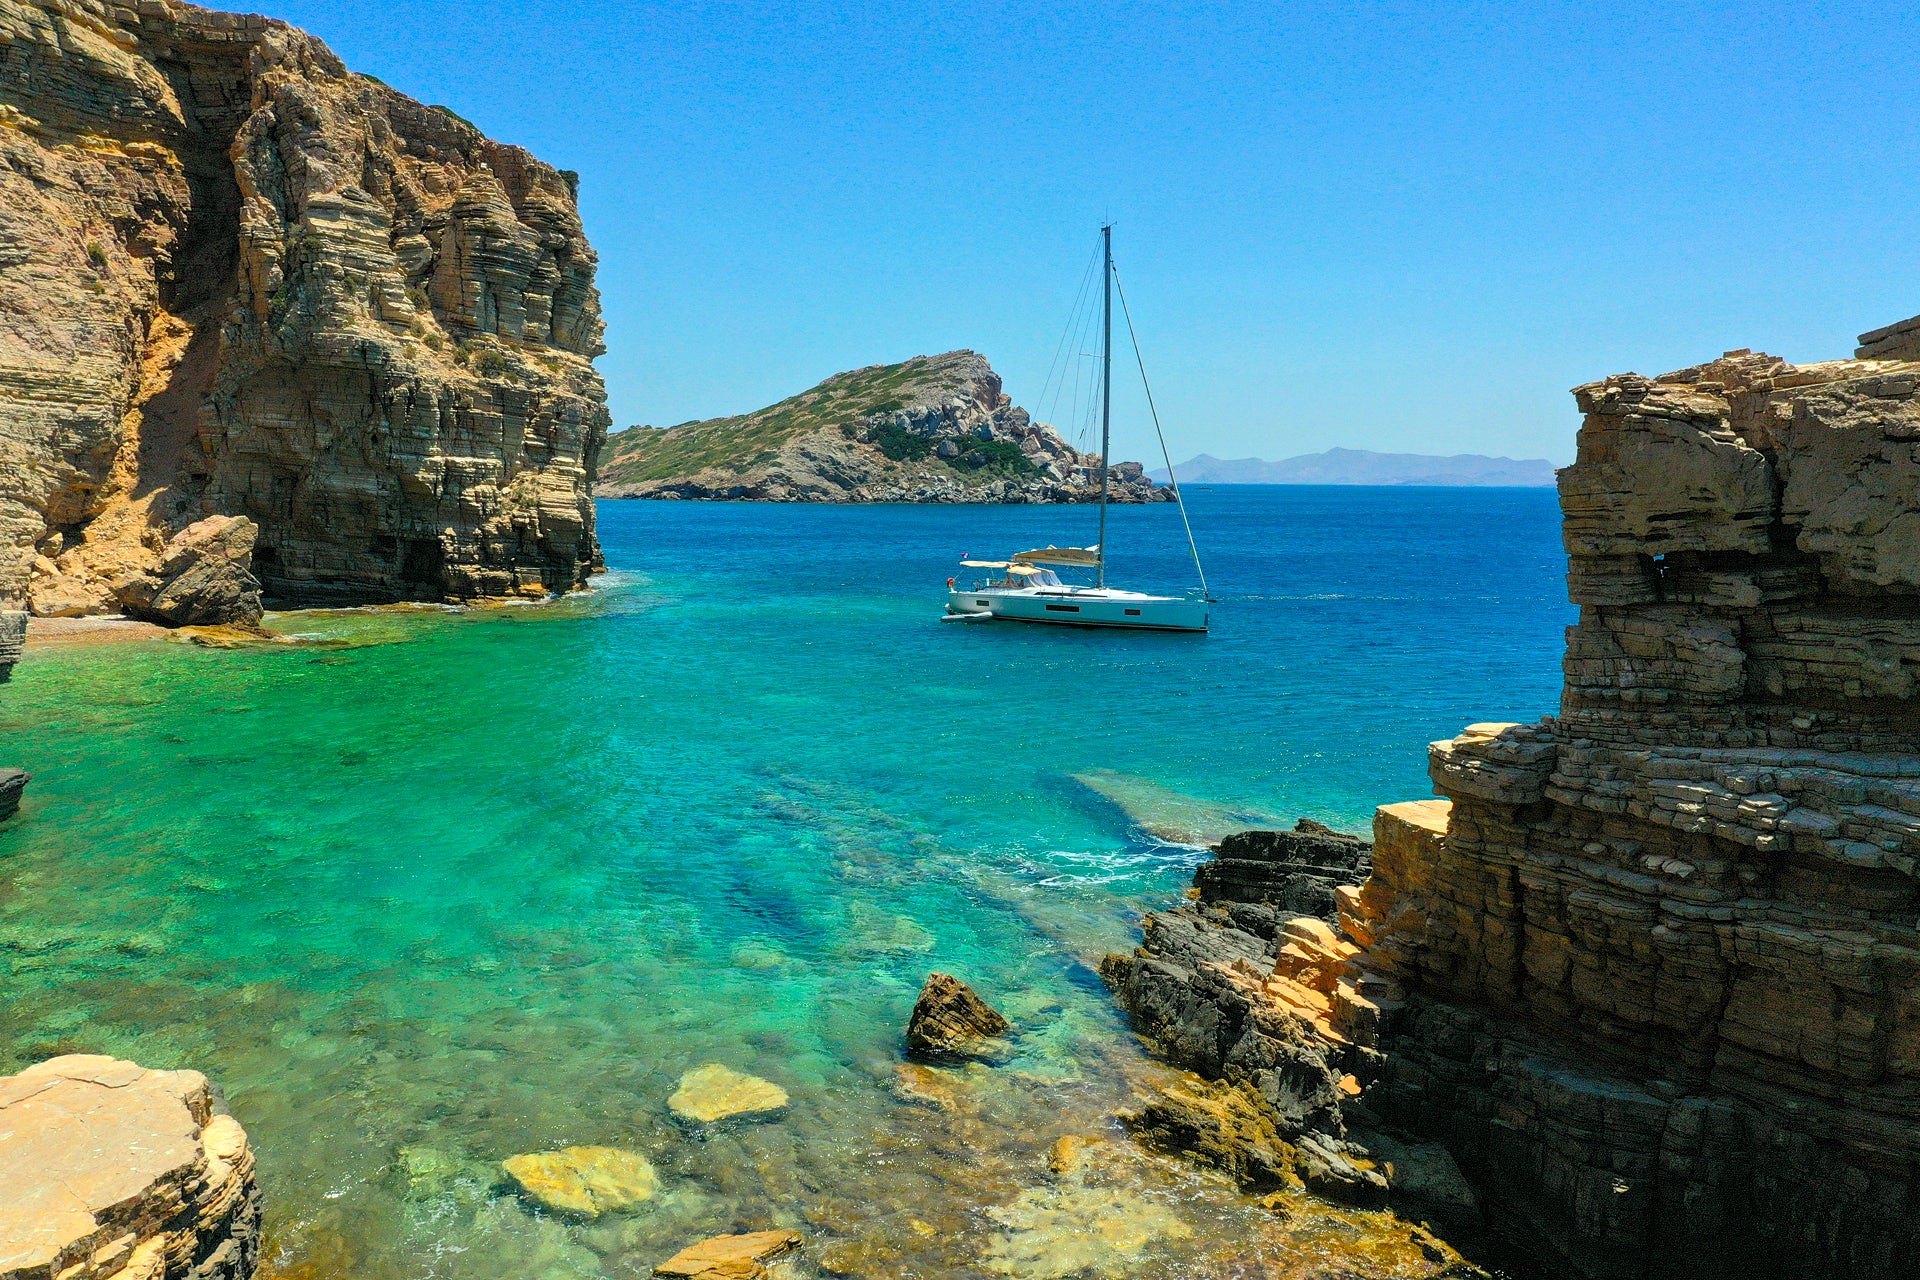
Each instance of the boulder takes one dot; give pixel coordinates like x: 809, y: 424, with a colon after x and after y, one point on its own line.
x: 716, y: 1092
x: 204, y: 578
x: 110, y: 1170
x: 741, y: 1257
x: 950, y: 1021
x: 584, y: 1181
x: 13, y: 784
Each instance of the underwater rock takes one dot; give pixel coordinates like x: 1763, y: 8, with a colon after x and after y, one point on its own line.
x: 110, y: 1170
x: 1068, y: 1151
x: 741, y: 1257
x: 1091, y: 1220
x: 13, y: 784
x: 935, y: 1087
x: 950, y: 1021
x: 1166, y: 814
x: 716, y: 1092
x: 587, y: 1181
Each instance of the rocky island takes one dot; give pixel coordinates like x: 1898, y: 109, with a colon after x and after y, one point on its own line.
x: 1646, y: 971
x: 274, y: 328
x: 930, y: 429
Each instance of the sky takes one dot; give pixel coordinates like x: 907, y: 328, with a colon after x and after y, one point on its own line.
x: 1404, y: 227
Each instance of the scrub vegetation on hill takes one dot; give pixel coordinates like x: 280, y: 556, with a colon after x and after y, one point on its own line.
x: 845, y: 400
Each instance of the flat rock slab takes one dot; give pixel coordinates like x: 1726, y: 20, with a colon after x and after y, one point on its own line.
x: 587, y: 1181
x: 716, y: 1092
x: 102, y: 1160
x: 729, y: 1257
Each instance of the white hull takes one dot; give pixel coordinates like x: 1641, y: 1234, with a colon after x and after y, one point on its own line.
x: 1081, y: 607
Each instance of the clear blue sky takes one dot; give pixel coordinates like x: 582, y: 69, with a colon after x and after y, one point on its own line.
x: 1399, y: 227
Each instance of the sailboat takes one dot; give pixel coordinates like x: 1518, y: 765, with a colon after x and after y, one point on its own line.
x: 1028, y: 589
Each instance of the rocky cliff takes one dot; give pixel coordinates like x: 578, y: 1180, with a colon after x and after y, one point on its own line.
x: 240, y: 281
x: 930, y: 429
x: 1650, y: 969
x: 109, y: 1171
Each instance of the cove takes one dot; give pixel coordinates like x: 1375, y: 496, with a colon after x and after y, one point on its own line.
x: 445, y: 887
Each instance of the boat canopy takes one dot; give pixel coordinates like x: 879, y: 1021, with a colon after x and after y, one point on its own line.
x: 984, y: 564
x: 1084, y: 556
x: 1024, y: 570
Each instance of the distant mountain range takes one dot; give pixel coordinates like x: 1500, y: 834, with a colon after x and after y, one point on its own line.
x: 1363, y: 466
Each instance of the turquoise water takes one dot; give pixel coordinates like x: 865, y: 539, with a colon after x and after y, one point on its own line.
x: 435, y: 888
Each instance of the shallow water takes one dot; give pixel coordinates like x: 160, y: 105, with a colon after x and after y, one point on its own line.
x: 455, y: 886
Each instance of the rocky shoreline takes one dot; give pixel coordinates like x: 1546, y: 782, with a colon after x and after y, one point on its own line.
x: 1645, y: 971
x: 109, y: 1171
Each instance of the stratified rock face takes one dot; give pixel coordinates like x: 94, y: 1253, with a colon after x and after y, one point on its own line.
x: 238, y: 280
x: 929, y: 429
x: 1661, y: 961
x: 1650, y: 970
x: 13, y: 640
x: 110, y: 1170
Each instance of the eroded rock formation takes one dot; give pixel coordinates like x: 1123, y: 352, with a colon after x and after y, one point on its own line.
x: 950, y: 1021
x: 237, y: 280
x: 1650, y: 969
x: 109, y: 1171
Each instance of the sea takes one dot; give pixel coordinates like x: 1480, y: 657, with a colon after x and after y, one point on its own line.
x: 430, y: 888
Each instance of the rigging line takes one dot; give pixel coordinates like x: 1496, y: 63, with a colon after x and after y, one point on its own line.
x: 1073, y: 359
x: 1072, y: 314
x: 1067, y: 388
x: 1172, y: 480
x: 1081, y: 419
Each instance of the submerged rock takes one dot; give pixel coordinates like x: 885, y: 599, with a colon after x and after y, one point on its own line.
x: 1094, y: 1218
x: 741, y: 1257
x: 587, y: 1181
x: 950, y: 1021
x: 717, y: 1092
x: 110, y: 1170
x: 1166, y: 814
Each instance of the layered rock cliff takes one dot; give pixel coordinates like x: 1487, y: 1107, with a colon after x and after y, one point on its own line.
x: 1650, y: 969
x: 930, y: 429
x: 238, y: 280
x: 109, y: 1171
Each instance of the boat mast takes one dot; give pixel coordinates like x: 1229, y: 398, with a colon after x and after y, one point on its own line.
x: 1106, y: 386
